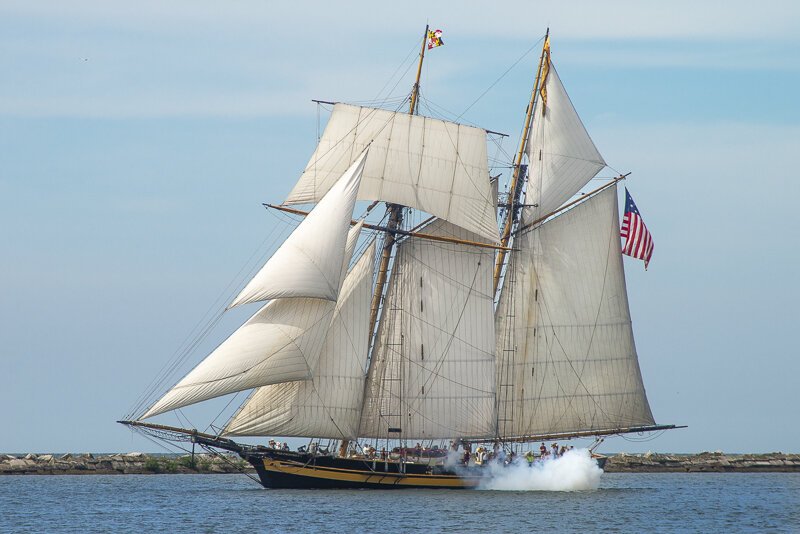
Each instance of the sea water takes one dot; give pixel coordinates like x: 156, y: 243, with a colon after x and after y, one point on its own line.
x: 670, y: 502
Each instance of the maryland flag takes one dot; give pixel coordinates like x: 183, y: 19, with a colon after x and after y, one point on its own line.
x: 434, y: 38
x: 545, y: 73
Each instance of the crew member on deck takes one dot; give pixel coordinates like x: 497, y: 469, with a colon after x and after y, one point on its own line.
x: 555, y: 451
x: 543, y: 451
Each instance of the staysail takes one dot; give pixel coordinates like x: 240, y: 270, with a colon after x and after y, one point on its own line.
x: 303, y: 266
x: 432, y: 370
x: 281, y: 341
x: 329, y: 404
x: 566, y: 355
x: 561, y: 156
x: 436, y: 166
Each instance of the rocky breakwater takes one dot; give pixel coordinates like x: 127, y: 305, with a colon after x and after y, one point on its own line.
x: 705, y: 462
x: 134, y: 463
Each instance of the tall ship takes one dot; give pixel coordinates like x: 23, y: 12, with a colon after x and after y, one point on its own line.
x: 490, y: 322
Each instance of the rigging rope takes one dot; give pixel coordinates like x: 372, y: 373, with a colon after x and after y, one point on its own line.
x: 199, y: 333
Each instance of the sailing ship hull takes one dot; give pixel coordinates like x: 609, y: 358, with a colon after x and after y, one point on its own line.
x: 288, y: 470
x: 304, y: 471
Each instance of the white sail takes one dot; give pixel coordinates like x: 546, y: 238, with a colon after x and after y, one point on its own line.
x: 350, y: 248
x: 561, y: 156
x: 281, y: 342
x: 566, y: 356
x: 328, y: 405
x: 432, y: 369
x: 432, y: 165
x: 309, y: 263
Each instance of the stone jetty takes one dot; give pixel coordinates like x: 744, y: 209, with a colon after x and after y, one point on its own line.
x: 705, y: 462
x: 137, y: 463
x: 133, y: 463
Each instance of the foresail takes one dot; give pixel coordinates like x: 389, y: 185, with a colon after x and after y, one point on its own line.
x: 309, y: 262
x: 281, y: 342
x: 328, y: 405
x: 566, y: 355
x: 561, y: 156
x: 432, y: 370
x: 349, y: 249
x: 428, y: 164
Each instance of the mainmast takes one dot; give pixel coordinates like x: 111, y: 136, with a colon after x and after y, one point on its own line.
x: 518, y: 177
x: 395, y: 212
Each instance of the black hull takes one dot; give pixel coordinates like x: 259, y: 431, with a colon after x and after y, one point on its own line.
x: 289, y: 470
x: 281, y: 469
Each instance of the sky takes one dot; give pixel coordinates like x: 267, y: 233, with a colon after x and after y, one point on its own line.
x: 139, y: 139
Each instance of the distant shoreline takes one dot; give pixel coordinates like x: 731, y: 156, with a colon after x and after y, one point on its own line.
x: 704, y: 462
x: 137, y: 463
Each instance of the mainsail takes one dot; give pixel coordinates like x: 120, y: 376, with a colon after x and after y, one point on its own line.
x: 432, y: 370
x: 436, y: 166
x: 566, y: 356
x: 281, y: 341
x: 329, y: 404
x: 561, y: 156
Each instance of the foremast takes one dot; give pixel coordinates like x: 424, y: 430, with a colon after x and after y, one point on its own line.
x: 395, y: 211
x: 393, y: 224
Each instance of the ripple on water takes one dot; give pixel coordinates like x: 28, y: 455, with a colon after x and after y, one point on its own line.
x: 673, y: 502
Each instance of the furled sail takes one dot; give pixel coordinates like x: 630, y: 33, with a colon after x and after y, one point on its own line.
x: 432, y: 165
x: 282, y: 341
x: 306, y: 264
x: 328, y: 405
x: 561, y: 156
x: 432, y: 369
x: 566, y: 356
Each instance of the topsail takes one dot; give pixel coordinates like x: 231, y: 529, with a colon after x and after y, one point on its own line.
x: 436, y: 166
x: 562, y: 157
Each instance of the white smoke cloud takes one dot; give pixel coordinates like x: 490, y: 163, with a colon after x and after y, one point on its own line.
x: 574, y: 471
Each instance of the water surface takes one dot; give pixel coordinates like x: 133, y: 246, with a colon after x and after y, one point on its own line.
x: 669, y: 502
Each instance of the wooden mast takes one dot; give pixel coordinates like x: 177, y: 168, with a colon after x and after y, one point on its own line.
x: 395, y: 219
x: 395, y: 213
x: 517, y: 178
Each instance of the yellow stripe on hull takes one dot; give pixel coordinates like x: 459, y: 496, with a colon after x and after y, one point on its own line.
x: 369, y: 477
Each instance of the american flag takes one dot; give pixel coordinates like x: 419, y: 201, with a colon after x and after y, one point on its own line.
x: 638, y: 241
